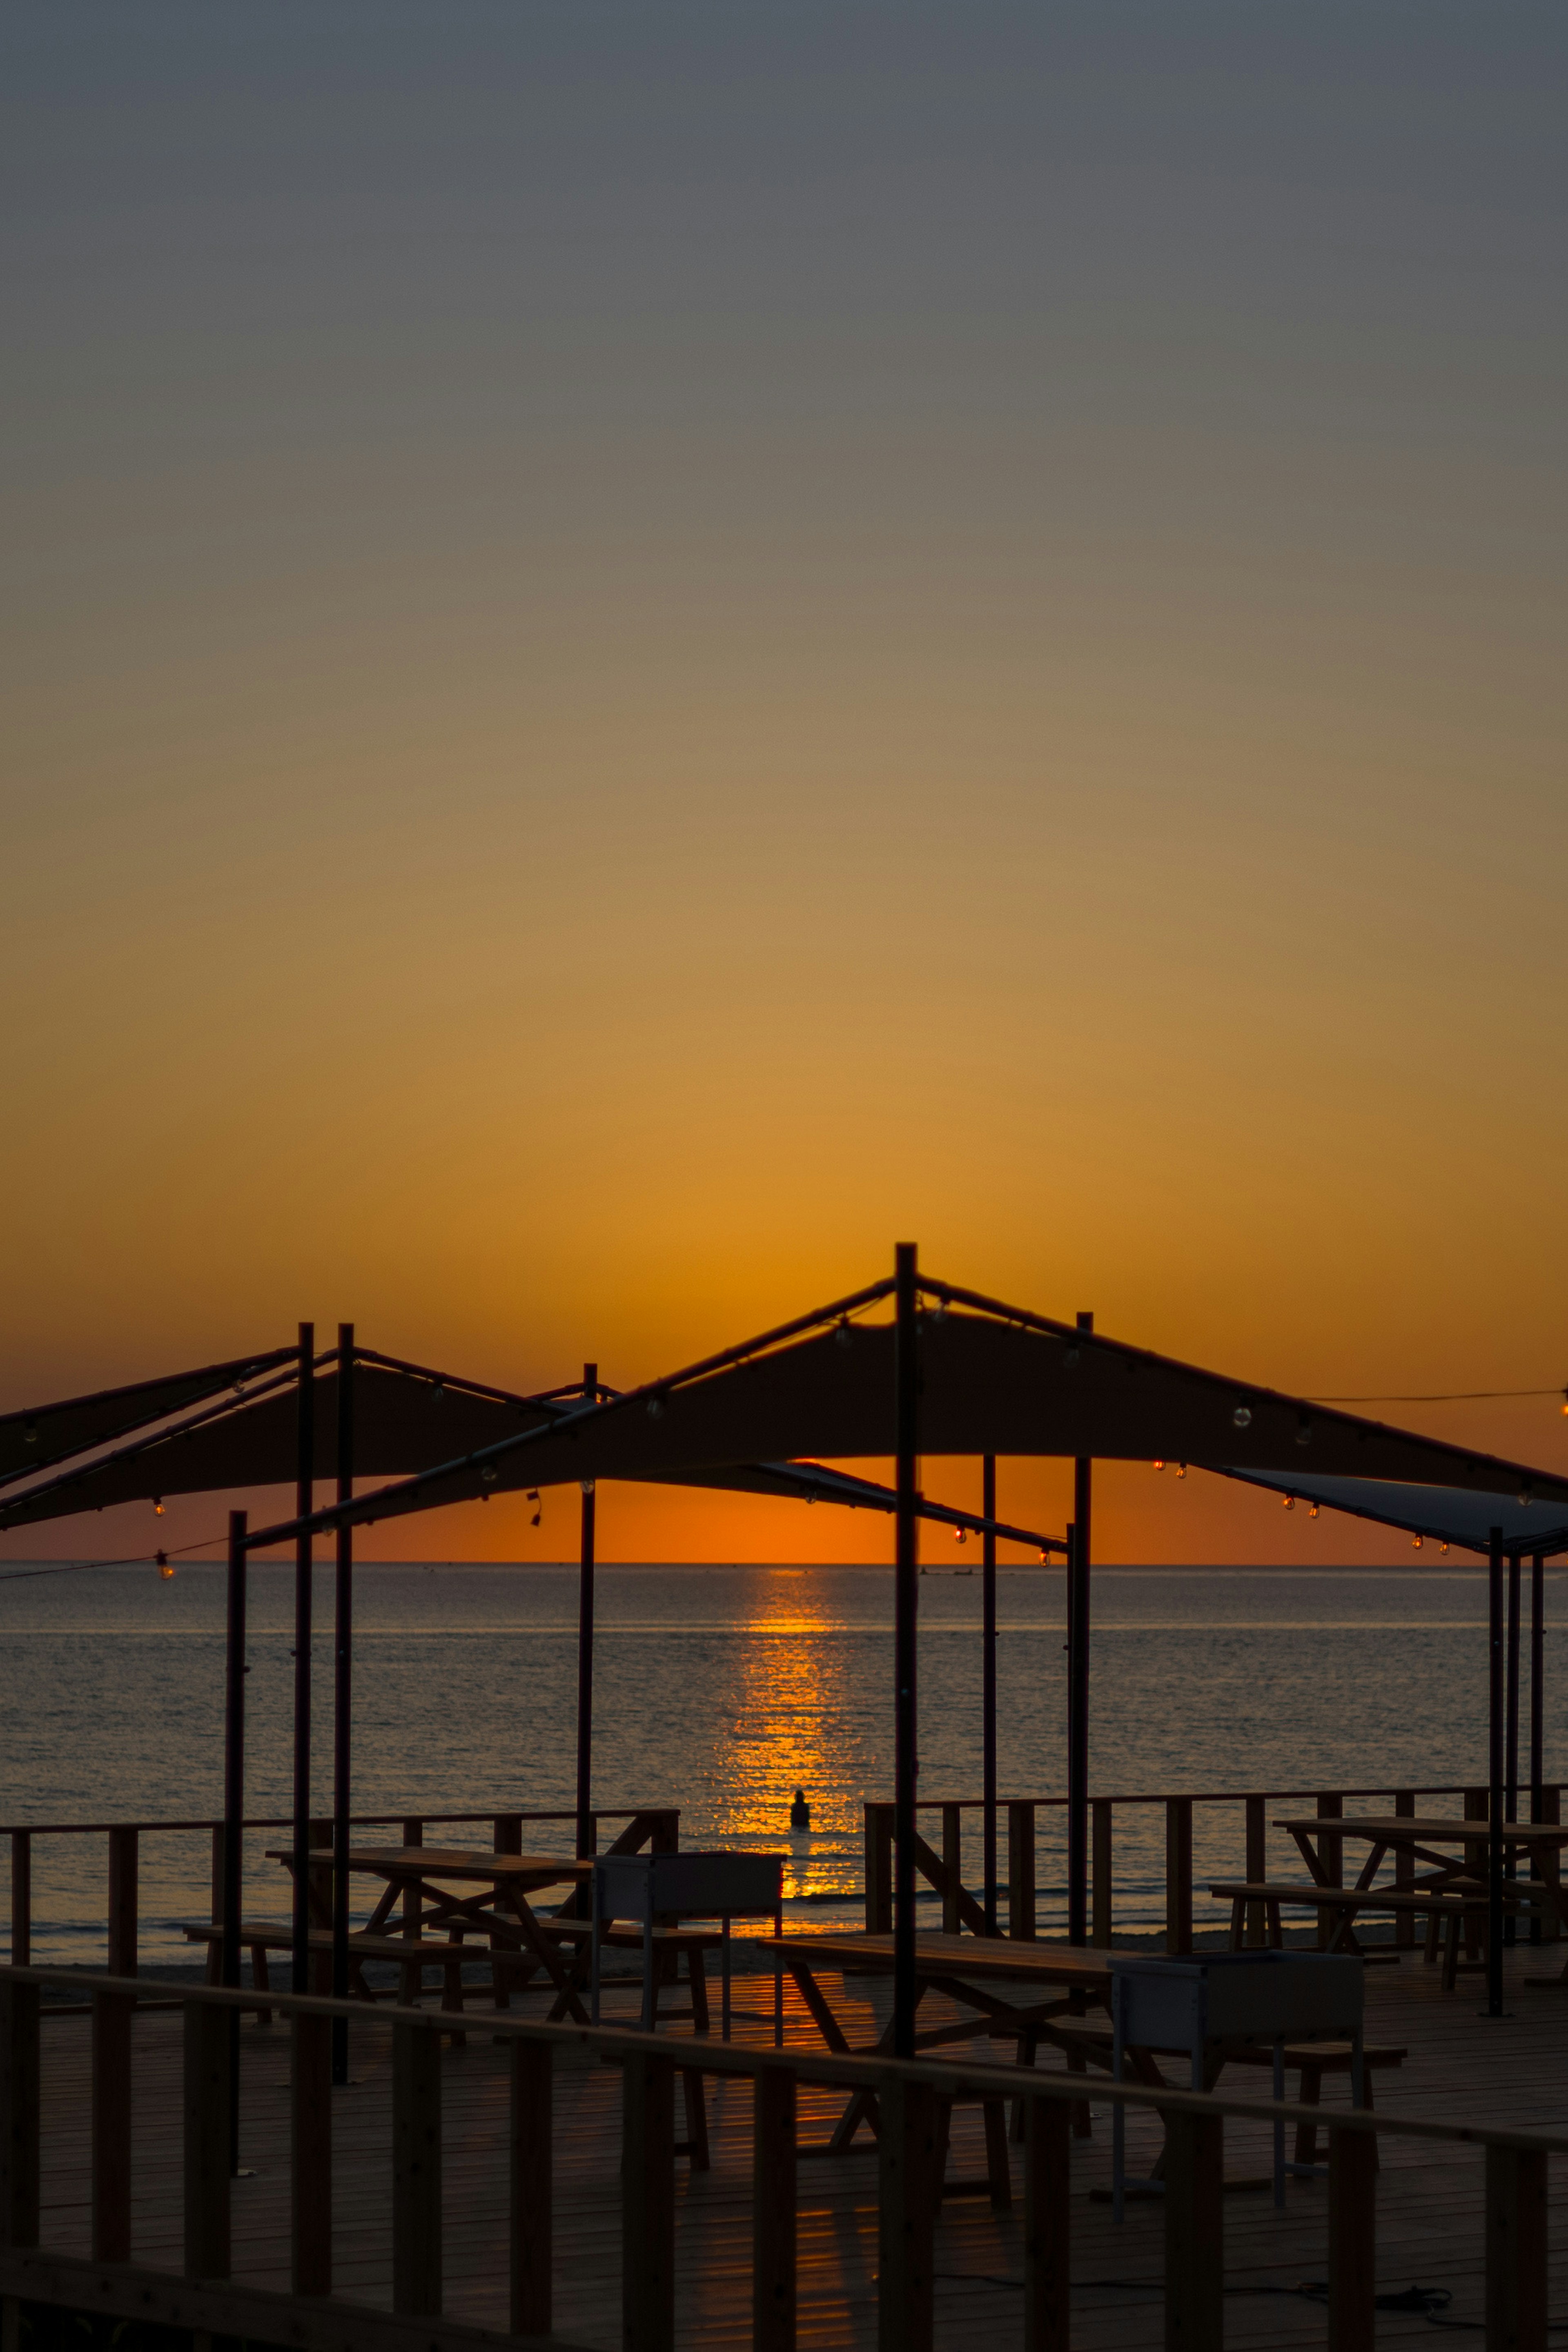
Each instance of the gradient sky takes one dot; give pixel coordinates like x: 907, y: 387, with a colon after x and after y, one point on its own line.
x: 651, y: 644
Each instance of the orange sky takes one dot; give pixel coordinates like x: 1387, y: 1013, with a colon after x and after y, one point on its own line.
x: 654, y: 650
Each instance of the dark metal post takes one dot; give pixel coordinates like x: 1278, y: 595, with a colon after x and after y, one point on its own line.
x: 586, y: 1840
x: 234, y: 1804
x: 988, y: 1686
x: 1078, y: 1698
x: 1510, y: 1735
x: 1537, y: 1699
x: 906, y: 1599
x: 1495, y: 1781
x: 342, y: 1700
x: 1537, y: 1683
x: 304, y: 1503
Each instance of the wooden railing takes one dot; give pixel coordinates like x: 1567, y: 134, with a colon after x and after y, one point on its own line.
x: 962, y: 1908
x: 910, y: 2097
x: 658, y: 1826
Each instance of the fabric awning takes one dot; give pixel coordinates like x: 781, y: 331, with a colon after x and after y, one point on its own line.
x: 1442, y: 1514
x: 42, y: 1435
x: 1000, y: 1381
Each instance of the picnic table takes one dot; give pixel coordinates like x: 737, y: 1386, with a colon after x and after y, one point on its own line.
x: 457, y: 1895
x: 974, y: 1971
x: 1421, y: 1839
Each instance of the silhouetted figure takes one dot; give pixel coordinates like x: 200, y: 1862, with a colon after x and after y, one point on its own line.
x: 800, y: 1811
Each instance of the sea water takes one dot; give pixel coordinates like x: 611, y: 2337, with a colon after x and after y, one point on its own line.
x: 721, y: 1691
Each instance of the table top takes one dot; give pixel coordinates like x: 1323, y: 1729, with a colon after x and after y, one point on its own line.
x: 953, y: 1955
x: 449, y: 1862
x: 1394, y: 1829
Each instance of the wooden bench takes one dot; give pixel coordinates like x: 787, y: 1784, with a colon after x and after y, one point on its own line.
x: 411, y: 1957
x: 669, y: 1944
x: 1310, y: 2060
x: 1343, y: 1906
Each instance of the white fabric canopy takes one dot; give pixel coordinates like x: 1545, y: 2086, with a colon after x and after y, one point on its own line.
x: 1446, y: 1513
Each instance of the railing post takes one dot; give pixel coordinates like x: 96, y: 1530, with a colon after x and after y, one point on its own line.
x: 1404, y: 1871
x: 1257, y: 1870
x: 416, y: 2172
x: 217, y: 1873
x: 1353, y: 2240
x: 508, y: 1829
x: 773, y: 2212
x: 1195, y: 2232
x: 648, y: 2205
x: 953, y: 1863
x: 123, y: 1855
x: 18, y: 2113
x: 1178, y: 1876
x: 1516, y: 2250
x: 532, y: 2186
x: 21, y: 1897
x: 207, y: 2106
x: 1047, y: 2224
x: 1101, y: 1814
x: 906, y: 2185
x: 1020, y: 1871
x: 1551, y: 1810
x: 310, y: 2154
x: 111, y: 2015
x: 879, y: 1869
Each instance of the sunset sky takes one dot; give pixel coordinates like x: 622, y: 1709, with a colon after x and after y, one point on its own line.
x: 653, y: 642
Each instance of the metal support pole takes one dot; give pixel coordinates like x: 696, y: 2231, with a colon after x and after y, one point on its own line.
x: 1511, y: 1735
x: 1495, y: 1780
x: 1537, y: 1683
x: 342, y: 1700
x: 304, y: 1503
x: 1078, y: 1697
x: 906, y: 1597
x: 1537, y: 1699
x: 586, y: 1840
x: 234, y: 1803
x: 989, y: 1687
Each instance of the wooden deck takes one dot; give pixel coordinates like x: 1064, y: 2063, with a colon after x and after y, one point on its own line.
x: 1461, y: 2069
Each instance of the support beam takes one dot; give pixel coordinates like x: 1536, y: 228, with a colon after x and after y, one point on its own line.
x: 1078, y: 1695
x: 1495, y: 1778
x: 304, y: 1504
x: 909, y: 2152
x: 1047, y: 2225
x: 1510, y: 1729
x: 233, y: 1808
x: 773, y: 2212
x: 342, y: 1699
x: 906, y: 1595
x: 586, y: 1838
x: 989, y: 1687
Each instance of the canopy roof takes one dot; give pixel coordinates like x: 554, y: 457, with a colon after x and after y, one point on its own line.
x: 407, y: 1417
x: 1442, y: 1513
x: 994, y: 1379
x: 46, y: 1433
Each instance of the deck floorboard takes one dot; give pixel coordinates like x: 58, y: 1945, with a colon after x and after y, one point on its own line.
x: 1461, y: 2068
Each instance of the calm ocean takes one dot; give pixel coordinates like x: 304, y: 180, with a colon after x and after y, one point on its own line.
x: 721, y: 1690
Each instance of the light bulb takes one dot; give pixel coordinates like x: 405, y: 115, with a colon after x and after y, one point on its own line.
x: 158, y: 1505
x: 1070, y: 1357
x: 1314, y: 1512
x: 488, y: 1474
x: 1242, y: 1416
x: 439, y: 1392
x: 1159, y: 1465
x: 1303, y: 1431
x: 1414, y: 1543
x: 1443, y: 1548
x: 844, y: 1336
x: 656, y: 1408
x: 960, y: 1535
x: 1290, y: 1502
x: 164, y: 1571
x: 1181, y: 1469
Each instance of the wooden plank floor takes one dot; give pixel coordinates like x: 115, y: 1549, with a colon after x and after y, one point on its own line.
x: 1461, y: 2068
